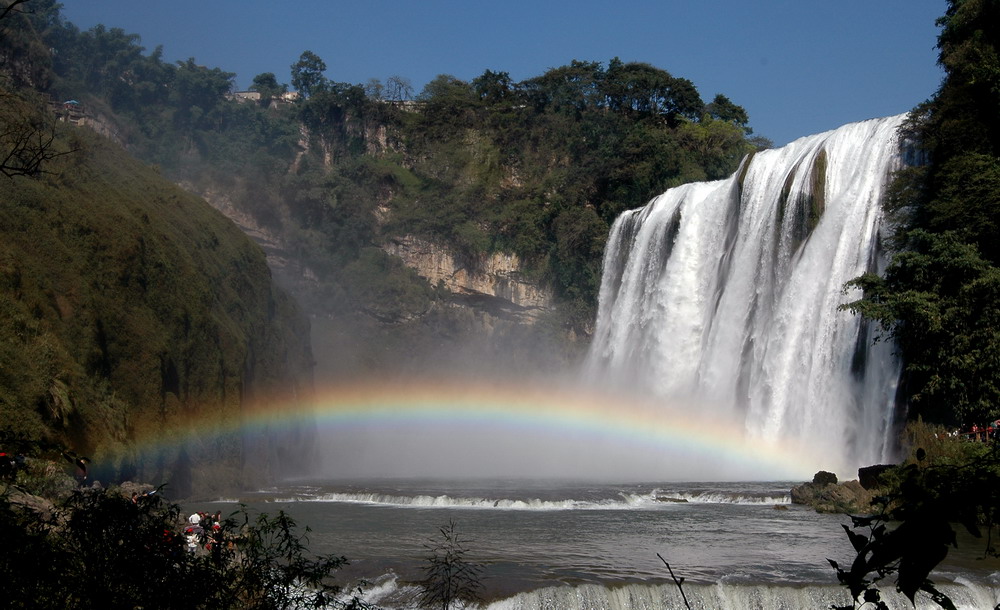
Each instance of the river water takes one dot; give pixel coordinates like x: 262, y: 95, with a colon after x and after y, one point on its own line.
x: 575, y: 546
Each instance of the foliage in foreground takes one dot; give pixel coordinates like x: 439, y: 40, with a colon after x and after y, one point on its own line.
x: 100, y: 549
x: 926, y: 497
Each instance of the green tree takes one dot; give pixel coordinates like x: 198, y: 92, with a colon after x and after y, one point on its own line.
x: 307, y: 74
x: 941, y: 302
x: 196, y: 91
x: 493, y: 87
x: 644, y: 90
x: 723, y: 109
x: 937, y: 297
x: 267, y: 85
x: 571, y: 89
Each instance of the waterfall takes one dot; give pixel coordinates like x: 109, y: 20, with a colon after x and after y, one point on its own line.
x: 728, y: 292
x: 640, y: 596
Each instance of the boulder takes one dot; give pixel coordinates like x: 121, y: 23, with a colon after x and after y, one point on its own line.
x: 870, y: 477
x: 824, y: 478
x: 847, y: 497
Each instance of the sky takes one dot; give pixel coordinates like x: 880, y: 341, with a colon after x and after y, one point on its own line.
x: 798, y: 67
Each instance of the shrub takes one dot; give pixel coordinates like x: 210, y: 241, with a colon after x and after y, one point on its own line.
x: 449, y: 576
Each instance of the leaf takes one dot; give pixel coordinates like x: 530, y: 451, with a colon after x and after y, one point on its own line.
x: 864, y: 521
x: 857, y: 540
x: 916, y: 565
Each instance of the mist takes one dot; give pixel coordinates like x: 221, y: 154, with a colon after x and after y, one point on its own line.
x: 683, y: 317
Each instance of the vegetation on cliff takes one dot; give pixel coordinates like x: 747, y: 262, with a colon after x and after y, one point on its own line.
x: 939, y: 300
x: 536, y: 168
x: 130, y: 308
x: 939, y: 297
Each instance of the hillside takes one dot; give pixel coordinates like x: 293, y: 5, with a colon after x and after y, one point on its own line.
x: 412, y: 225
x: 132, y: 311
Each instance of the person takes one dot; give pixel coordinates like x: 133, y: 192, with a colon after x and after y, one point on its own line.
x: 80, y: 462
x: 192, y: 533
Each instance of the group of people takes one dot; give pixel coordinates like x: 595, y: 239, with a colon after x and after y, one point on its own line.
x: 203, y: 529
x: 983, y: 433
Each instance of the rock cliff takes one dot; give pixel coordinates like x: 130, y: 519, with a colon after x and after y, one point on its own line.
x: 496, y: 282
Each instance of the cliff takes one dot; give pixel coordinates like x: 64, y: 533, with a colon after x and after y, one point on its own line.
x: 497, y: 278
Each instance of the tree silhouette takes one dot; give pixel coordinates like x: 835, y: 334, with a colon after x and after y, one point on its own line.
x: 448, y: 576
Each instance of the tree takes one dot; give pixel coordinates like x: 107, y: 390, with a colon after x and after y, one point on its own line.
x: 13, y: 6
x: 398, y: 88
x: 374, y: 89
x: 937, y: 297
x: 939, y: 300
x: 448, y: 102
x: 197, y: 90
x: 267, y: 85
x: 448, y: 576
x: 493, y: 87
x: 446, y: 89
x: 307, y: 74
x: 641, y: 89
x: 574, y: 88
x: 723, y: 109
x: 27, y: 136
x: 27, y: 129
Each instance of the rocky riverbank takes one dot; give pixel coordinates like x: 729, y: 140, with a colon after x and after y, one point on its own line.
x: 827, y: 495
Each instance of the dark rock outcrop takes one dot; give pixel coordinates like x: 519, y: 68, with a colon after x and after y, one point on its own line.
x: 828, y: 496
x: 824, y: 478
x: 871, y: 476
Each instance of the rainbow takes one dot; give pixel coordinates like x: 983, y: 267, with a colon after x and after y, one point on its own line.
x: 610, y: 433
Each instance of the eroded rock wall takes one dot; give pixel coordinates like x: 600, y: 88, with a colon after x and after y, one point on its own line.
x: 497, y: 276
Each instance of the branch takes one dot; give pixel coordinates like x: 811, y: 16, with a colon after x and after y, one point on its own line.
x: 10, y: 8
x: 677, y: 581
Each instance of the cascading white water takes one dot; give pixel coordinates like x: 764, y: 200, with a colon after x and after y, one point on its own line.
x: 728, y: 292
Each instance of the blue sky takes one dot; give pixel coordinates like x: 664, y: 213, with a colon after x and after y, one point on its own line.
x: 798, y: 67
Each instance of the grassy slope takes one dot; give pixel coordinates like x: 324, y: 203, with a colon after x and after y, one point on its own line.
x: 129, y: 309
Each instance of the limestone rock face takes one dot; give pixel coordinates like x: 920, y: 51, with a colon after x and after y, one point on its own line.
x: 496, y: 276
